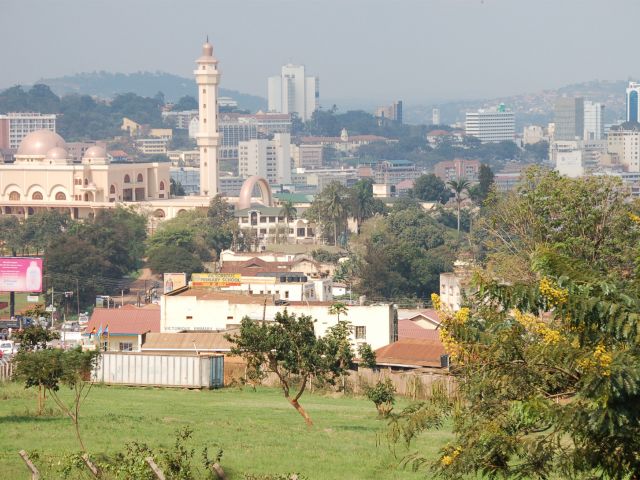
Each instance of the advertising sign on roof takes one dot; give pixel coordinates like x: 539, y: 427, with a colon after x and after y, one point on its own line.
x: 173, y: 281
x: 215, y: 279
x: 20, y: 274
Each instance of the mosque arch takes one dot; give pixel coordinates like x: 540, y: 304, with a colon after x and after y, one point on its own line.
x: 159, y: 213
x: 56, y: 189
x: 244, y: 201
x: 11, y: 188
x: 33, y: 189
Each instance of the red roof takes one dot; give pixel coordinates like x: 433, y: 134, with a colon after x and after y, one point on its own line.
x: 118, y: 153
x: 126, y: 320
x: 412, y: 352
x: 410, y: 329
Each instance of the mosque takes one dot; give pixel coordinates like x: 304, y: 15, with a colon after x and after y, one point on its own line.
x: 44, y: 176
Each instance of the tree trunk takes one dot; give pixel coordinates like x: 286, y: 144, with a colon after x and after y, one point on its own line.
x: 301, y: 411
x: 458, y: 217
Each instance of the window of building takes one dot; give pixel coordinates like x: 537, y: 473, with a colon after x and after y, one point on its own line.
x: 189, y: 317
x: 60, y: 196
x: 125, y: 346
x: 286, y: 294
x: 86, y: 182
x: 112, y: 190
x: 301, y: 232
x: 14, y: 196
x: 161, y: 185
x: 272, y: 219
x: 127, y: 179
x: 36, y: 196
x: 361, y: 333
x: 139, y: 179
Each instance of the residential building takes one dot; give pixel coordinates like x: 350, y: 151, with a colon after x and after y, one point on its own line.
x: 307, y: 156
x: 392, y: 172
x: 230, y: 186
x: 633, y: 102
x: 270, y: 159
x: 454, y: 285
x: 491, y: 125
x: 570, y: 163
x: 203, y: 309
x: 623, y: 142
x: 287, y: 286
x: 254, y: 264
x: 180, y: 120
x: 391, y: 112
x: 152, y: 145
x: 532, y: 134
x: 457, y: 169
x: 132, y: 128
x: 15, y: 126
x: 413, y: 353
x: 345, y: 143
x: 293, y: 92
x: 569, y: 119
x: 593, y: 121
x: 269, y: 226
x: 184, y: 158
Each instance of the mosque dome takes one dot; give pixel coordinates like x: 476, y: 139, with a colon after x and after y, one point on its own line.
x: 40, y: 142
x: 95, y: 152
x: 57, y: 153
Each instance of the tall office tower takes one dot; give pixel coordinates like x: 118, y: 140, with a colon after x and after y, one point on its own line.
x: 623, y: 142
x: 207, y: 78
x: 15, y: 126
x: 293, y: 92
x: 633, y: 102
x: 491, y: 125
x: 391, y: 112
x: 569, y: 118
x: 435, y: 116
x: 270, y: 159
x: 593, y: 124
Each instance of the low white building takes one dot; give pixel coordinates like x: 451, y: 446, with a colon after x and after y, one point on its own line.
x: 290, y: 286
x: 200, y: 309
x: 454, y: 286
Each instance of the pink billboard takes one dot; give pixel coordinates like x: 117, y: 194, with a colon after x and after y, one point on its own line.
x: 20, y: 274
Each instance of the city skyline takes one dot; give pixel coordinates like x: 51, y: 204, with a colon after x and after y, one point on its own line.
x: 416, y: 50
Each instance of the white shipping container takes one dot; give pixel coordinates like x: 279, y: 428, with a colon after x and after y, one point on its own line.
x: 189, y: 371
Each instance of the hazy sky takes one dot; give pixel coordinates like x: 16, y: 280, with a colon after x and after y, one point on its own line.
x: 374, y: 50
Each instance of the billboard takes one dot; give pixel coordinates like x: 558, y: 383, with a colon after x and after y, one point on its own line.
x: 20, y: 274
x: 215, y: 279
x: 173, y: 281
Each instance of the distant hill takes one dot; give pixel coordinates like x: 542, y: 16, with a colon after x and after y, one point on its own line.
x: 146, y: 84
x: 530, y: 108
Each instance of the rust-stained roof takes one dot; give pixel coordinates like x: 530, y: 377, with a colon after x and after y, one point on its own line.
x: 188, y: 341
x: 411, y: 352
x: 409, y: 329
x: 129, y: 320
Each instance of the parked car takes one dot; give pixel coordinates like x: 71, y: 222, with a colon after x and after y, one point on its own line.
x: 7, y: 347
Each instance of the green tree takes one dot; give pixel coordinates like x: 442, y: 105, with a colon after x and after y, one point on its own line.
x: 480, y: 192
x: 459, y: 187
x: 430, y: 188
x: 288, y: 211
x: 382, y: 394
x: 362, y: 204
x: 186, y: 103
x: 339, y: 308
x: 172, y: 258
x: 330, y: 209
x: 176, y: 189
x: 367, y: 356
x: 289, y: 348
x: 34, y: 337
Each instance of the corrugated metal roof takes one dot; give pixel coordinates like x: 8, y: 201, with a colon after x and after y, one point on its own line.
x: 411, y: 352
x: 188, y: 341
x: 125, y: 320
x: 409, y: 329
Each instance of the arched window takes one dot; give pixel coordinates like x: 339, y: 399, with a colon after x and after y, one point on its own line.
x: 86, y: 182
x: 159, y: 213
x: 61, y: 196
x: 127, y: 179
x: 139, y: 179
x: 161, y: 185
x: 14, y: 196
x: 112, y: 190
x: 36, y: 196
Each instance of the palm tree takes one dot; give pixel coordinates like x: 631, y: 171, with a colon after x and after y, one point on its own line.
x: 458, y: 187
x: 362, y: 204
x: 288, y: 211
x: 338, y: 308
x: 333, y: 200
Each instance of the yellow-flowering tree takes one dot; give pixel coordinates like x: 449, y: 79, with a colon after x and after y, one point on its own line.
x: 548, y: 361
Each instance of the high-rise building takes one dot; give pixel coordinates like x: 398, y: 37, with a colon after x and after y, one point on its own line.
x: 593, y: 121
x: 15, y: 126
x: 491, y: 125
x: 435, y: 116
x: 569, y: 118
x: 633, y: 102
x: 623, y: 143
x: 207, y: 79
x: 270, y: 159
x: 391, y: 112
x: 293, y: 92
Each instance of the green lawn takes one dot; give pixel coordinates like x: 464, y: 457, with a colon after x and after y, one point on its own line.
x: 21, y: 303
x: 258, y: 431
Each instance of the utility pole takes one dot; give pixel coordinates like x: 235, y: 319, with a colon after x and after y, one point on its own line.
x: 78, y: 296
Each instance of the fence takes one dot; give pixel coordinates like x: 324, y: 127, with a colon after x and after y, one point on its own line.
x: 6, y: 369
x: 415, y: 385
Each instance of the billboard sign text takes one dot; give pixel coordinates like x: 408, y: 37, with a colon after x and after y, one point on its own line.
x: 20, y: 274
x: 173, y: 281
x: 215, y: 280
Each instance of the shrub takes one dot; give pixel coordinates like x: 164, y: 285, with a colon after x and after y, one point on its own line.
x: 382, y: 394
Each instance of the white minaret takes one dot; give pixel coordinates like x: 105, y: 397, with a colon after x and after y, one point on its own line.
x: 207, y: 78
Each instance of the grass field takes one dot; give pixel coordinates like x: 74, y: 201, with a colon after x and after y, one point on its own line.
x: 21, y: 303
x: 259, y: 431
